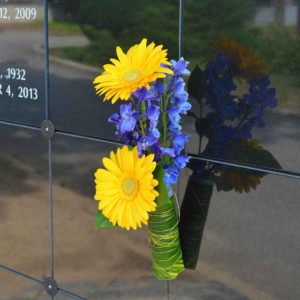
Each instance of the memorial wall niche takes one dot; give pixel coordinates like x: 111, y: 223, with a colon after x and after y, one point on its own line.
x: 22, y: 61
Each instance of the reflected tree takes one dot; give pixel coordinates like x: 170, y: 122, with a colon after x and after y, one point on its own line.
x: 122, y: 22
x: 209, y: 20
x: 65, y: 10
x: 110, y: 22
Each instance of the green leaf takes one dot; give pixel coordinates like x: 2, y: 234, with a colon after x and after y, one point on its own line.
x: 196, y: 84
x: 101, y: 221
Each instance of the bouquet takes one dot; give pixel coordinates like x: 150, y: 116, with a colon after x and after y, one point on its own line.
x: 134, y: 187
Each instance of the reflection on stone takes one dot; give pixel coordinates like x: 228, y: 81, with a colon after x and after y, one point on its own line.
x: 254, y: 51
x: 232, y: 94
x: 24, y: 207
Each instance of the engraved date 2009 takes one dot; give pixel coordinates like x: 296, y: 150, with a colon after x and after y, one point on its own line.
x: 19, y: 13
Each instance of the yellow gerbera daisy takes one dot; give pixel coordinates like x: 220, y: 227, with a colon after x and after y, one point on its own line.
x: 125, y: 188
x: 137, y: 68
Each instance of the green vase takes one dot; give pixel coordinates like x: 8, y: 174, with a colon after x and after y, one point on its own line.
x: 167, y: 260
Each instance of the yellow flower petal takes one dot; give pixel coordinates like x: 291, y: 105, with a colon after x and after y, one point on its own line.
x: 111, y: 166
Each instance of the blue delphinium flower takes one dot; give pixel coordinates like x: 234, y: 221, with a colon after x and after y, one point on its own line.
x: 158, y: 89
x: 140, y: 95
x: 170, y: 177
x: 151, y: 134
x: 159, y: 151
x: 180, y: 67
x: 126, y: 120
x: 178, y: 106
x: 181, y: 161
x: 180, y: 97
x: 172, y: 171
x: 179, y: 142
x: 145, y: 142
x: 174, y: 120
x: 153, y: 113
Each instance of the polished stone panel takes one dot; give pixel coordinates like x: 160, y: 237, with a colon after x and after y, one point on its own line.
x: 24, y: 203
x: 13, y: 287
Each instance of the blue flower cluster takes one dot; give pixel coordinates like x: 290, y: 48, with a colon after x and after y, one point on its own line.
x: 151, y: 120
x: 231, y: 117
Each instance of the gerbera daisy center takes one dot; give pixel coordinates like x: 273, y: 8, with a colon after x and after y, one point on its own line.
x: 129, y: 186
x: 132, y: 75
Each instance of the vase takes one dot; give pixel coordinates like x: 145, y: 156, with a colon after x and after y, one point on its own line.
x: 167, y: 261
x: 193, y: 215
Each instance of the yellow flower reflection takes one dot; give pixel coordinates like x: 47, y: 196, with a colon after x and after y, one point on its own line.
x: 245, y: 62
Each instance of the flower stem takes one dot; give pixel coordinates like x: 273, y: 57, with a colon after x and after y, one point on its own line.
x: 163, y: 108
x: 164, y: 117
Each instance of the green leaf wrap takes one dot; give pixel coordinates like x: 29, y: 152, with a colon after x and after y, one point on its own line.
x: 167, y: 260
x: 193, y: 214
